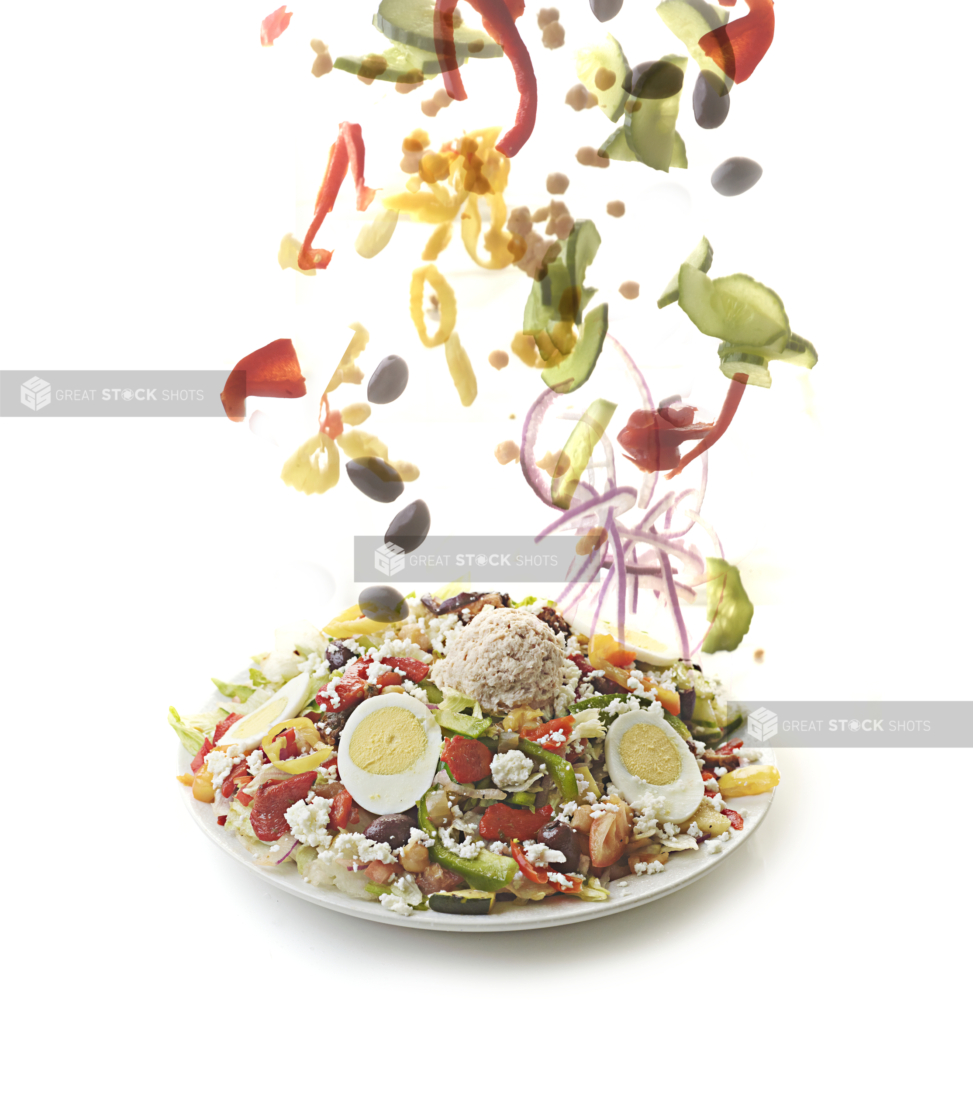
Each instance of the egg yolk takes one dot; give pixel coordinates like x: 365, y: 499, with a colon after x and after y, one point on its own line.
x: 648, y: 753
x: 388, y: 742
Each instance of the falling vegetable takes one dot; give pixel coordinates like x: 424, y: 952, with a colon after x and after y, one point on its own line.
x: 498, y: 21
x: 272, y: 370
x: 347, y: 154
x: 729, y: 610
x: 274, y: 25
x: 739, y: 46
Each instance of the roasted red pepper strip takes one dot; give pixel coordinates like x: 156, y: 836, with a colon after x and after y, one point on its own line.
x: 728, y: 749
x: 652, y: 438
x: 272, y: 370
x: 734, y: 394
x: 222, y: 727
x: 348, y: 692
x: 347, y: 154
x: 527, y: 868
x: 238, y: 776
x: 199, y: 760
x: 344, y: 813
x: 274, y: 26
x: 506, y: 823
x: 735, y: 818
x: 468, y: 760
x: 561, y: 726
x: 739, y: 46
x: 498, y: 22
x: 575, y: 882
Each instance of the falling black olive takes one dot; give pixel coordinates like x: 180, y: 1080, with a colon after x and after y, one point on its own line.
x: 736, y: 176
x: 383, y: 603
x: 410, y: 526
x: 376, y: 479
x: 604, y: 10
x: 709, y: 108
x: 654, y: 81
x: 388, y: 381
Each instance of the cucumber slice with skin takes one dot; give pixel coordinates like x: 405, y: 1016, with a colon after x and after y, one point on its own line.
x: 605, y: 65
x: 754, y: 361
x: 408, y: 65
x: 650, y: 122
x: 689, y: 21
x: 616, y: 147
x: 701, y: 257
x: 463, y: 902
x: 561, y: 295
x: 411, y: 22
x: 680, y: 158
x: 733, y: 308
x: 574, y: 370
x: 587, y: 434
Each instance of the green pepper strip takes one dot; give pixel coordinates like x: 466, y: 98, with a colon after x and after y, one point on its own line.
x: 489, y: 872
x: 559, y: 769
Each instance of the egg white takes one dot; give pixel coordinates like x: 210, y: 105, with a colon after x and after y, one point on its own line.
x: 647, y: 648
x: 681, y: 797
x: 286, y: 703
x: 385, y: 794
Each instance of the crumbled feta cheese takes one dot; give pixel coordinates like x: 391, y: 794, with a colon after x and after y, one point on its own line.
x: 670, y: 830
x: 711, y: 785
x: 256, y: 762
x: 405, y: 893
x: 510, y: 769
x: 362, y: 850
x: 468, y: 848
x: 218, y: 765
x: 693, y: 830
x: 720, y: 771
x: 540, y: 855
x: 498, y: 848
x: 713, y: 846
x: 649, y: 867
x: 566, y: 812
x: 717, y: 801
x: 308, y: 821
x: 415, y: 835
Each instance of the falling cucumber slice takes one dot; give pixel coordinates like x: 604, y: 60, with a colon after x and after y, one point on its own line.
x: 604, y: 71
x: 411, y: 22
x: 650, y: 122
x: 408, y: 65
x: 754, y: 361
x: 701, y: 257
x: 733, y: 308
x: 575, y: 369
x: 689, y: 21
x: 679, y: 157
x: 561, y: 295
x: 577, y: 452
x: 616, y: 147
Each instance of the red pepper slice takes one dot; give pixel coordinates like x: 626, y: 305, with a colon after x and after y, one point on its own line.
x: 274, y: 25
x: 347, y: 154
x: 527, y: 868
x: 347, y: 693
x: 652, y: 438
x: 199, y: 760
x: 502, y: 822
x: 222, y: 727
x: 468, y: 760
x: 708, y: 774
x: 271, y: 802
x: 237, y: 777
x: 739, y: 46
x: 332, y: 425
x: 498, y: 21
x: 575, y: 882
x: 272, y: 370
x: 548, y: 729
x: 344, y: 813
x: 290, y: 748
x: 734, y: 394
x: 735, y: 818
x: 727, y: 750
x: 415, y: 670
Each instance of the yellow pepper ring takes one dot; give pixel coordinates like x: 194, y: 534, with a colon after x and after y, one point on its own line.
x: 447, y: 304
x: 295, y: 765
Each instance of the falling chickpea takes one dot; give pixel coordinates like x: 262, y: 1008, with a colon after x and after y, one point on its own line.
x: 499, y: 359
x: 557, y: 183
x: 507, y: 452
x: 629, y: 290
x: 616, y: 209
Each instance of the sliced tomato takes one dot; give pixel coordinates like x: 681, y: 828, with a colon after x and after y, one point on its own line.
x: 198, y: 761
x: 549, y: 730
x: 415, y: 670
x: 735, y: 818
x: 506, y: 823
x: 222, y: 727
x: 272, y: 801
x: 344, y: 812
x: 527, y: 868
x: 468, y: 760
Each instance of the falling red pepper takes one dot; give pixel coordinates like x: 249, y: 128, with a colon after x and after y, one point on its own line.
x: 498, y: 21
x: 332, y: 425
x: 734, y: 394
x: 274, y: 26
x: 272, y: 370
x: 347, y: 154
x: 652, y: 438
x: 739, y: 45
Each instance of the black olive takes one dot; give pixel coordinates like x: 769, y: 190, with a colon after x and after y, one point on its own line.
x: 736, y: 176
x: 393, y: 829
x: 709, y: 108
x: 376, y: 479
x: 389, y: 380
x: 383, y: 603
x: 338, y: 656
x: 654, y: 81
x: 559, y: 836
x: 410, y: 526
x: 604, y: 10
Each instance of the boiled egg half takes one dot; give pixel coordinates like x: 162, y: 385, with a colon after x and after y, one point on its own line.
x: 388, y: 752
x: 648, y: 649
x: 286, y: 703
x: 646, y: 758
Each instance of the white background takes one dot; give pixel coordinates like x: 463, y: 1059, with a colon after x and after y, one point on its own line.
x: 156, y: 155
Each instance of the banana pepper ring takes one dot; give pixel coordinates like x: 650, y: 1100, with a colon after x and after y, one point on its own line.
x: 295, y: 765
x: 425, y: 206
x: 497, y: 243
x: 447, y: 304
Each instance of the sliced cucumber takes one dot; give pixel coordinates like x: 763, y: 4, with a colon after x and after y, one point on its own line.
x: 561, y: 295
x: 411, y: 22
x: 701, y: 257
x: 754, y: 360
x: 462, y: 723
x: 689, y: 21
x: 574, y: 370
x: 587, y: 434
x: 733, y: 308
x: 405, y: 64
x: 616, y: 147
x: 650, y: 122
x: 604, y: 71
x: 463, y: 902
x: 752, y: 364
x: 679, y: 157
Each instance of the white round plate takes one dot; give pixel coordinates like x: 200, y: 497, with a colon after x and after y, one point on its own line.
x: 682, y: 869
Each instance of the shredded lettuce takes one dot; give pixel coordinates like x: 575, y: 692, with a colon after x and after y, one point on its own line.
x: 191, y: 738
x: 729, y: 610
x: 239, y: 692
x: 258, y: 679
